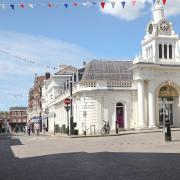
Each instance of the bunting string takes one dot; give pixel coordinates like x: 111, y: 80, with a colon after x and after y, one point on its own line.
x: 75, y: 4
x: 29, y: 60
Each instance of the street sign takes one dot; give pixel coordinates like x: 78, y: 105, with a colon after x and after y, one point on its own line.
x: 67, y: 101
x: 67, y: 108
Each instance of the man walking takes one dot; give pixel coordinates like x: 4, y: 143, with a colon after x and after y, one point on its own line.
x: 29, y: 129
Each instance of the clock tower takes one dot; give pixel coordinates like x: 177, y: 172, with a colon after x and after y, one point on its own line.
x: 160, y: 44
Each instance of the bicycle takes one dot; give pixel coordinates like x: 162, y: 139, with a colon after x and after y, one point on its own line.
x: 106, y: 128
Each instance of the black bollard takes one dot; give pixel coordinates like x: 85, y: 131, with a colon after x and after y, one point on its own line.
x: 167, y: 130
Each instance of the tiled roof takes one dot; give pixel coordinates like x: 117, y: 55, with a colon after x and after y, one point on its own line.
x: 67, y: 70
x: 108, y: 70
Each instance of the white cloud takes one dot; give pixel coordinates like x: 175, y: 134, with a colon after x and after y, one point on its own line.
x: 17, y: 75
x: 172, y: 8
x: 130, y: 12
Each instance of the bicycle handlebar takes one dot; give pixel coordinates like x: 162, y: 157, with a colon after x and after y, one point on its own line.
x: 106, y: 122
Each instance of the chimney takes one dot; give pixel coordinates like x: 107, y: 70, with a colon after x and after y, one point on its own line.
x: 47, y: 75
x: 84, y: 64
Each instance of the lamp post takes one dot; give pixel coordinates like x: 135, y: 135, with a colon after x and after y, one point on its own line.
x: 54, y: 123
x: 71, y: 110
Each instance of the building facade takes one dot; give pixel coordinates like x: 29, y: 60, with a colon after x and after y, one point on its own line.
x: 134, y: 94
x: 17, y: 119
x: 34, y: 100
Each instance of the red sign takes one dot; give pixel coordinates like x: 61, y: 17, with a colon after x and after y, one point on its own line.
x: 67, y: 101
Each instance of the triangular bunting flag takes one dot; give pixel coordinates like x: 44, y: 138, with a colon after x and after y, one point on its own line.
x: 21, y: 5
x: 12, y: 6
x: 49, y: 5
x: 164, y: 2
x: 31, y: 5
x: 123, y: 3
x: 113, y: 4
x: 3, y: 6
x: 158, y: 1
x: 66, y: 5
x: 133, y: 2
x: 154, y: 1
x: 103, y: 4
x: 75, y: 4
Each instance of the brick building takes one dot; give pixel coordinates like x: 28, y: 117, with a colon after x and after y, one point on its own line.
x: 4, y: 118
x: 34, y: 100
x: 17, y: 118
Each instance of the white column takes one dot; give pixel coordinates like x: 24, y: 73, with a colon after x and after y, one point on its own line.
x: 167, y: 51
x: 151, y: 105
x: 141, y: 103
x: 173, y: 52
x: 125, y: 117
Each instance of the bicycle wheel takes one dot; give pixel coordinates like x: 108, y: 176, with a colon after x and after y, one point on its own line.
x: 103, y: 131
x: 108, y: 130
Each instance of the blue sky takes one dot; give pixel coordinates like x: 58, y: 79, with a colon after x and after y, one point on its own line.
x: 67, y: 36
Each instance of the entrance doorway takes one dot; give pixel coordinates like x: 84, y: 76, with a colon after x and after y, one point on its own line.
x: 120, y: 115
x: 167, y: 95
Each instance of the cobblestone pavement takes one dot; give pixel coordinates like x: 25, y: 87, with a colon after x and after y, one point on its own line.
x: 134, y: 156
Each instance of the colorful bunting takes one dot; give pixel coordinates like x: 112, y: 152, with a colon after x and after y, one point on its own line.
x: 113, y: 4
x: 103, y: 4
x: 31, y: 5
x: 12, y: 6
x: 49, y: 5
x: 164, y: 2
x: 133, y: 2
x: 21, y: 5
x: 75, y: 4
x: 66, y: 5
x: 3, y: 6
x: 123, y: 3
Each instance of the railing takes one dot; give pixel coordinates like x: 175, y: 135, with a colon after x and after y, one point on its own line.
x: 119, y: 84
x: 92, y: 85
x: 88, y: 84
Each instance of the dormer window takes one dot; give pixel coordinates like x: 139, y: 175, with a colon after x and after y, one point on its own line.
x: 165, y: 51
x: 160, y: 51
x: 170, y: 51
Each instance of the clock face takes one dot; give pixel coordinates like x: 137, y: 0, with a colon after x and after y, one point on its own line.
x: 164, y: 25
x: 150, y: 29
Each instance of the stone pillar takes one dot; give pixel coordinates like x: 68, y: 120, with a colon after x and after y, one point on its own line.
x: 173, y: 52
x: 162, y: 51
x: 167, y: 51
x: 141, y: 103
x: 151, y: 105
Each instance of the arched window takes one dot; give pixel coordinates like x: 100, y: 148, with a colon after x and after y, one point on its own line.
x: 165, y: 51
x: 170, y: 51
x: 160, y: 51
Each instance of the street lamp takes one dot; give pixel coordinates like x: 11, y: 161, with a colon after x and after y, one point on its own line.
x: 54, y: 123
x: 71, y: 110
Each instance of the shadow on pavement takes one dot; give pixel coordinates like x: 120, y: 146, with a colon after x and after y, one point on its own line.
x: 87, y: 166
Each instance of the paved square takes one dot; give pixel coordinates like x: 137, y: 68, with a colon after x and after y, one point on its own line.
x: 135, y: 156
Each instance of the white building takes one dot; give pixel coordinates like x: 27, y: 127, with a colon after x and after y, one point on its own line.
x: 135, y: 94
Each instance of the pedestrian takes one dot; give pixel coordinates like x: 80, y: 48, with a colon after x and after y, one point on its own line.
x: 29, y: 129
x: 37, y: 128
x: 44, y: 128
